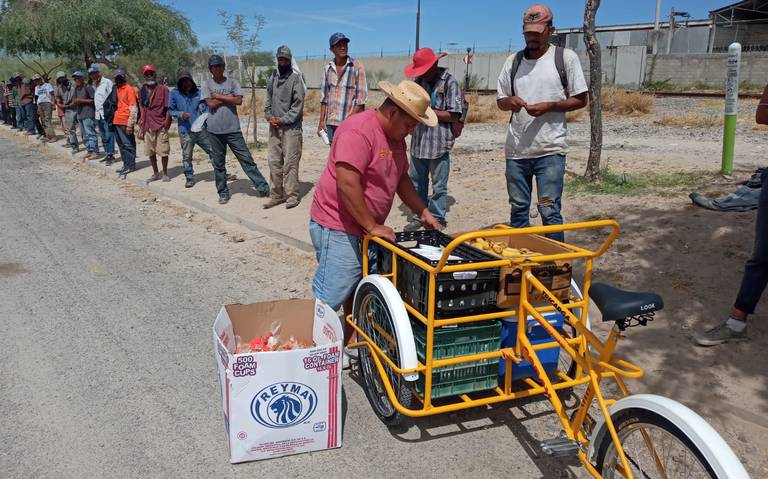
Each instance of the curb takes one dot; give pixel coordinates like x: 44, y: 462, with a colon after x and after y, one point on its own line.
x: 301, y: 245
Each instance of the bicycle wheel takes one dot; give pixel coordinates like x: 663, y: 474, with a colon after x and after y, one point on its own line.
x: 374, y: 317
x: 565, y: 363
x: 655, y: 449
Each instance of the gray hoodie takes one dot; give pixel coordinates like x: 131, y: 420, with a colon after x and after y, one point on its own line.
x: 285, y: 99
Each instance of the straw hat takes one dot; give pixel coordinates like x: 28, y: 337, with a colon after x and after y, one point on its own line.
x: 412, y: 99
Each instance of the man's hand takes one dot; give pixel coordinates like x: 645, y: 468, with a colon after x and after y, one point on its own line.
x: 320, y: 127
x: 129, y: 130
x: 383, y: 232
x: 538, y: 109
x: 185, y: 116
x: 428, y: 221
x: 511, y: 103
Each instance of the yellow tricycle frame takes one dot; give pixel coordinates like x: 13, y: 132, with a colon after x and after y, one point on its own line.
x: 594, y: 358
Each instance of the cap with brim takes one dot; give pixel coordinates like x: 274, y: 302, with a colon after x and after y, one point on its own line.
x: 119, y: 73
x: 412, y: 99
x: 537, y: 18
x: 36, y: 77
x: 284, y: 52
x: 78, y: 73
x: 16, y: 75
x: 423, y: 59
x: 336, y: 38
x: 60, y: 74
x: 94, y: 69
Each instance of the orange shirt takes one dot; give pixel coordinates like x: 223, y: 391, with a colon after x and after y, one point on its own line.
x: 126, y: 98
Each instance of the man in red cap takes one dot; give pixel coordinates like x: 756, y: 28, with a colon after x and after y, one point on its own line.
x: 539, y: 85
x: 431, y: 146
x: 154, y: 122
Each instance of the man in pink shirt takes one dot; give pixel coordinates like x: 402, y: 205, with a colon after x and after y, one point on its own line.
x: 366, y: 167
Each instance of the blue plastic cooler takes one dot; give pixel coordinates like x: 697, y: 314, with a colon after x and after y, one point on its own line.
x: 537, y: 335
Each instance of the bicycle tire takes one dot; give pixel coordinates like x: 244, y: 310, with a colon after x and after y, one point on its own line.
x: 631, y: 420
x: 369, y: 299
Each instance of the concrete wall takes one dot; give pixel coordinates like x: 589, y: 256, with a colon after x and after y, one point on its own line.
x: 708, y: 68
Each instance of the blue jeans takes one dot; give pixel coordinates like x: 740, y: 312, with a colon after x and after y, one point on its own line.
x: 755, y: 276
x: 330, y: 129
x: 20, y: 122
x: 549, y: 172
x: 188, y: 142
x: 27, y: 117
x: 88, y: 130
x: 236, y: 143
x: 420, y: 171
x: 107, y: 137
x: 339, y: 264
x: 127, y: 145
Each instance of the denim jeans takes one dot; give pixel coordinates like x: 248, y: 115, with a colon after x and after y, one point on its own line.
x: 330, y: 129
x: 236, y: 143
x: 29, y: 117
x: 549, y: 172
x: 188, y: 142
x: 339, y: 264
x: 755, y: 276
x: 88, y: 132
x: 127, y: 145
x: 420, y: 171
x: 20, y: 121
x: 107, y: 137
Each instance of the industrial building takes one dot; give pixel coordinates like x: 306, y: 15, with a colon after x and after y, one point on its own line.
x: 745, y: 22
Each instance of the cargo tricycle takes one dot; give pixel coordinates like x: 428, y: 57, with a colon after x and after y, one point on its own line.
x: 453, y: 322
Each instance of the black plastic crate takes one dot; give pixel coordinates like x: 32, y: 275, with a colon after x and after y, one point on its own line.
x: 456, y: 294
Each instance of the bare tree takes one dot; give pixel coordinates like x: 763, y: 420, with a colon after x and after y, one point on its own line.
x: 245, y: 39
x: 595, y: 89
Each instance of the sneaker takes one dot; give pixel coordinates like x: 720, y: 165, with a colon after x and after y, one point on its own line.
x: 720, y: 334
x: 125, y: 171
x: 292, y: 203
x: 154, y: 177
x: 223, y: 199
x: 273, y: 202
x: 75, y: 150
x: 190, y: 183
x: 261, y: 193
x: 104, y: 160
x: 120, y: 170
x: 166, y: 179
x: 108, y: 161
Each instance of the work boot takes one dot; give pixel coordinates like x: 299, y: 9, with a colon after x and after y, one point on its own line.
x: 273, y: 202
x: 190, y: 183
x: 720, y: 334
x: 224, y: 199
x: 291, y: 203
x: 261, y: 193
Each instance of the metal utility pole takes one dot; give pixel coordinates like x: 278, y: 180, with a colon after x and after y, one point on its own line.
x: 418, y: 21
x: 656, y: 29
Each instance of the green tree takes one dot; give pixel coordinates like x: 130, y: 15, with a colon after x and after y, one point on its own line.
x: 96, y: 31
x: 245, y: 39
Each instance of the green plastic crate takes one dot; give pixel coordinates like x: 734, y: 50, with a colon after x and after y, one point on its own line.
x: 462, y: 340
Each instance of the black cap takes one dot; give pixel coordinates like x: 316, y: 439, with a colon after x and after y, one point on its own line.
x: 336, y: 38
x: 215, y: 60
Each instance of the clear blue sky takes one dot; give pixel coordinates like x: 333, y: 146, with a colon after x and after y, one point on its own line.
x: 305, y: 25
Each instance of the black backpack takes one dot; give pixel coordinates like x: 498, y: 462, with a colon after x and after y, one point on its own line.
x: 110, y: 105
x: 559, y: 65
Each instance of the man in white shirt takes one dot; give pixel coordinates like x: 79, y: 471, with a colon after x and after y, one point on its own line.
x: 539, y: 85
x: 44, y: 100
x: 102, y: 87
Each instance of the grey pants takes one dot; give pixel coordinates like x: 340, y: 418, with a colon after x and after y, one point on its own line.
x: 70, y: 122
x: 283, y: 158
x: 45, y: 112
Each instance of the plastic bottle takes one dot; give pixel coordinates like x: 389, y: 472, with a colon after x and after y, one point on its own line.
x: 324, y: 136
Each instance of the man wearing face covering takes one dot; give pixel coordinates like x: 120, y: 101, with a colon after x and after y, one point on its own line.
x: 65, y: 94
x: 154, y: 122
x: 284, y: 109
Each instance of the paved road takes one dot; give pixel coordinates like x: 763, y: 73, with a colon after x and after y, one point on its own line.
x: 106, y: 362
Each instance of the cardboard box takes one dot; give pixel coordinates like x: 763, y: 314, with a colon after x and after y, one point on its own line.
x: 555, y: 275
x: 281, y: 402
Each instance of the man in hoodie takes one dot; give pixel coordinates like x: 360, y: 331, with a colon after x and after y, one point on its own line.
x: 154, y: 121
x: 185, y: 106
x: 102, y: 87
x: 284, y: 109
x: 65, y: 94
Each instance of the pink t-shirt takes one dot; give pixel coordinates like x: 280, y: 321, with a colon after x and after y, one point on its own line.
x: 360, y: 142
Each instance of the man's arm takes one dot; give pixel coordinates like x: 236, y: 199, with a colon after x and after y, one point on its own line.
x: 297, y: 104
x: 362, y: 90
x: 569, y: 104
x: 761, y: 117
x: 173, y: 106
x: 408, y: 195
x: 349, y: 182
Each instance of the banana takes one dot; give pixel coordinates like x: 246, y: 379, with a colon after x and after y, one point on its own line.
x: 510, y: 252
x: 497, y: 247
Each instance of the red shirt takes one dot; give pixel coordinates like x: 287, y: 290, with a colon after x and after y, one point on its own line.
x: 360, y: 143
x: 154, y: 108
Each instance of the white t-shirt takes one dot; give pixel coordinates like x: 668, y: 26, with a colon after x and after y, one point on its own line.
x: 538, y: 81
x: 43, y: 93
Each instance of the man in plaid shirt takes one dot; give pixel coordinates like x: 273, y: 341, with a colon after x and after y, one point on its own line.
x: 431, y: 146
x: 344, y: 90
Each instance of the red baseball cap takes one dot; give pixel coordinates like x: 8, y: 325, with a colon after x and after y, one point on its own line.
x: 148, y: 68
x: 536, y: 18
x: 423, y: 59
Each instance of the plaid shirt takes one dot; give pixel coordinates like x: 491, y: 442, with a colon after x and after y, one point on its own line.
x: 342, y: 94
x: 430, y: 143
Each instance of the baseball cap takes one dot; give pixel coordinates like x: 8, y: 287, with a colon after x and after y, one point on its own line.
x: 78, y: 73
x: 60, y: 74
x: 119, y: 73
x: 93, y: 69
x: 284, y: 52
x: 36, y: 77
x: 214, y: 60
x: 536, y: 18
x: 148, y: 68
x: 336, y: 38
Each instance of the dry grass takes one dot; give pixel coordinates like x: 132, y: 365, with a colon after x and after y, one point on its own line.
x: 760, y: 127
x: 577, y: 115
x: 245, y: 108
x: 626, y: 103
x: 312, y: 102
x: 483, y: 109
x: 690, y: 120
